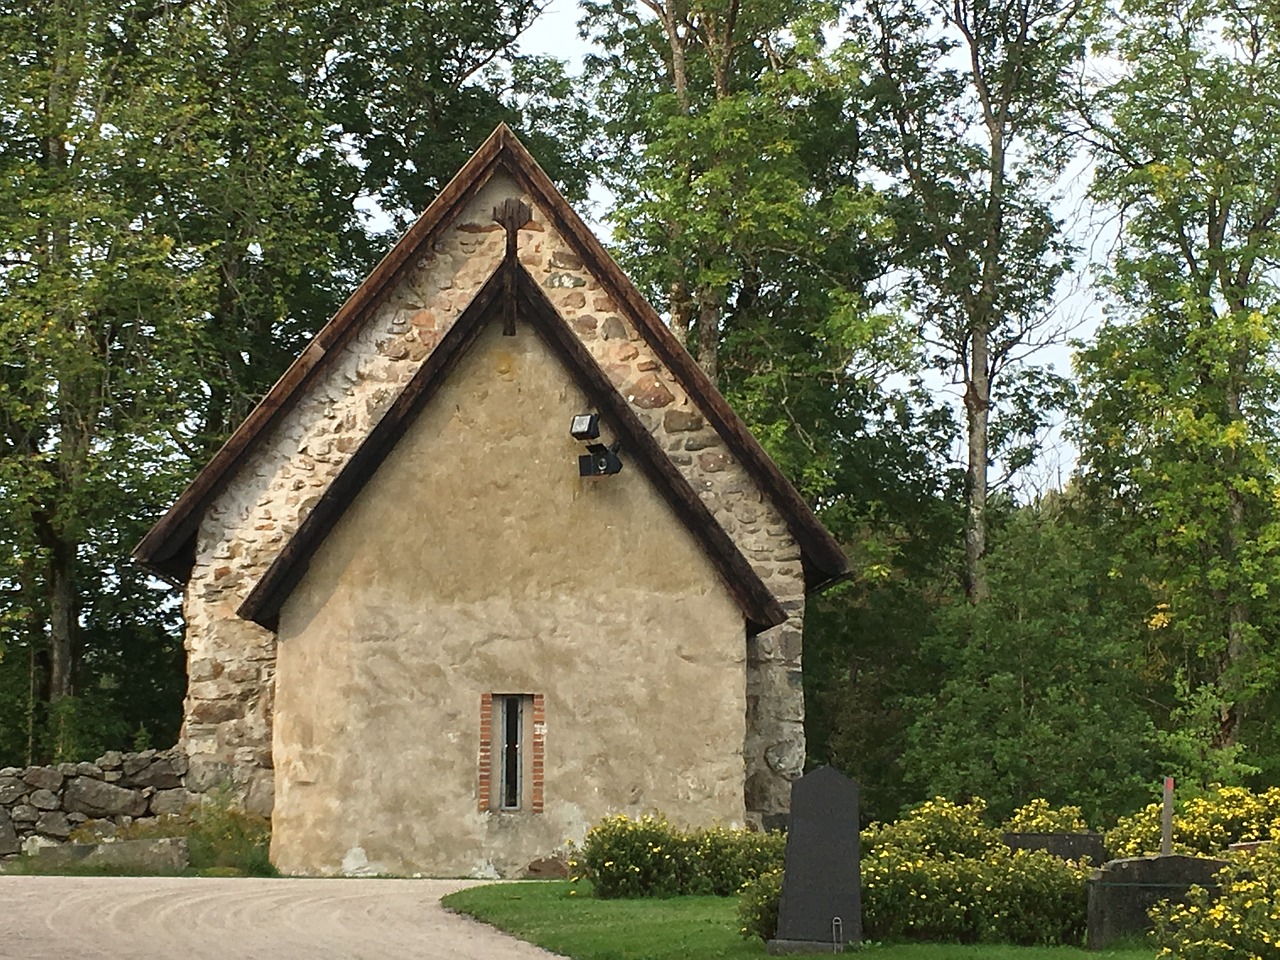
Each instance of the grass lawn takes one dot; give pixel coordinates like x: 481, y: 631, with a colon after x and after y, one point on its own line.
x: 683, y: 928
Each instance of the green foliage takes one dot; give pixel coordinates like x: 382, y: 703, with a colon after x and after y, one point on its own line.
x: 1204, y: 824
x: 1022, y: 896
x: 585, y: 928
x: 222, y: 839
x: 1239, y: 919
x: 179, y: 215
x: 1042, y: 684
x: 1039, y: 817
x: 1179, y: 432
x: 941, y: 873
x: 648, y: 857
x: 937, y: 829
x: 758, y: 904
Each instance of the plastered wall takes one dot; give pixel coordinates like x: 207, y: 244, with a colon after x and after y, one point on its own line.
x: 477, y: 561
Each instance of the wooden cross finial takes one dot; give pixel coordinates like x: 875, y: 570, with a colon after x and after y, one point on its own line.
x: 513, y: 214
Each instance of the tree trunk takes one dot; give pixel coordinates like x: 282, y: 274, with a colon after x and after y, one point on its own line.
x: 64, y: 617
x: 977, y: 406
x: 709, y: 332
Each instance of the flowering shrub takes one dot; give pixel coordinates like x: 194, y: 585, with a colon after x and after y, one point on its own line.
x: 1002, y: 896
x: 1240, y: 919
x: 648, y: 857
x: 758, y: 906
x: 941, y: 873
x: 718, y: 861
x: 1201, y: 825
x: 936, y: 829
x: 1038, y: 817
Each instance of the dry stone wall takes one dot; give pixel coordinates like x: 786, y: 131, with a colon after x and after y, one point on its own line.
x: 227, y: 728
x: 48, y: 803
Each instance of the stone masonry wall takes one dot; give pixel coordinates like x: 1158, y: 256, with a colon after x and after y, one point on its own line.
x: 44, y: 804
x: 227, y: 727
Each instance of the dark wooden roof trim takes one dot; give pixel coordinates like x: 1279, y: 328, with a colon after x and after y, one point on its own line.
x: 759, y: 606
x: 263, y: 603
x: 824, y: 559
x: 168, y: 549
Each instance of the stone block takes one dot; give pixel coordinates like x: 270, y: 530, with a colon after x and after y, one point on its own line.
x: 44, y: 799
x: 547, y: 868
x: 682, y: 421
x: 1121, y: 892
x: 649, y: 392
x: 100, y: 799
x: 54, y: 823
x: 167, y: 856
x: 8, y: 835
x: 133, y: 762
x: 88, y: 770
x: 11, y: 788
x: 45, y: 778
x: 1067, y: 846
x: 24, y: 814
x: 158, y: 774
x: 168, y: 802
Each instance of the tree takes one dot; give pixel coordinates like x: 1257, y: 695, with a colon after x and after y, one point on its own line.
x: 180, y: 214
x: 1179, y: 423
x: 1047, y: 697
x: 736, y: 195
x: 96, y: 338
x: 965, y: 104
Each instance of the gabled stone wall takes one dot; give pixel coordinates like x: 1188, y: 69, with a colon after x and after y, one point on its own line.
x: 227, y: 727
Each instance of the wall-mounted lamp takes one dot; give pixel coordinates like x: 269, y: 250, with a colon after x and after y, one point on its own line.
x: 599, y: 460
x: 585, y: 426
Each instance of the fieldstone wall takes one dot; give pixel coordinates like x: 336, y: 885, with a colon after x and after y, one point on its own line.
x: 231, y: 663
x: 112, y: 792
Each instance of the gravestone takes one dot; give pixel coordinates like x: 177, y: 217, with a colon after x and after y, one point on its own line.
x: 1122, y: 891
x: 1066, y: 846
x: 821, y: 907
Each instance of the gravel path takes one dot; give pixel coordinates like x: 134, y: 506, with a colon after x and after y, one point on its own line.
x: 180, y: 918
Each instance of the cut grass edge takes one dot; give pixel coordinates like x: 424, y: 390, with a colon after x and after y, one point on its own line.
x: 567, y: 920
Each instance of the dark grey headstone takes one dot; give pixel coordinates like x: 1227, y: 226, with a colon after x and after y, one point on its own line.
x: 821, y: 907
x: 1122, y: 891
x: 1067, y: 846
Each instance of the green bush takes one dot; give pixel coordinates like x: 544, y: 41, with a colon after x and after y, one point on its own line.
x: 221, y: 838
x: 937, y: 828
x: 1038, y: 817
x: 941, y: 873
x: 758, y: 906
x: 1004, y: 896
x: 1205, y: 824
x: 1240, y: 919
x: 648, y: 857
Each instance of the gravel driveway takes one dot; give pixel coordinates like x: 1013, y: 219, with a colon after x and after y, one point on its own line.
x: 180, y: 918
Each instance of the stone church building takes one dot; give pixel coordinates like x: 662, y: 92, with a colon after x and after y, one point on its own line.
x: 491, y: 560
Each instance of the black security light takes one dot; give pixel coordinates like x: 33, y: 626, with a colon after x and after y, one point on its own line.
x: 599, y: 461
x: 585, y: 426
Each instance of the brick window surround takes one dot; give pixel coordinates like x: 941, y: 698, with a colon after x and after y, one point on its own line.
x: 534, y: 733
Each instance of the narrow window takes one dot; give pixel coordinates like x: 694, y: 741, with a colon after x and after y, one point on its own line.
x: 513, y: 751
x: 509, y: 776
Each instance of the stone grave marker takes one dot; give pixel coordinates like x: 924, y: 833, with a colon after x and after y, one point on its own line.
x: 821, y: 907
